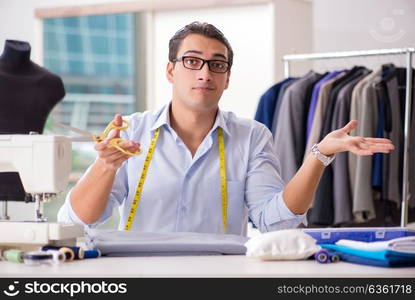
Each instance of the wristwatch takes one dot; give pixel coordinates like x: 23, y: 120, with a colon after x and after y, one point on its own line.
x: 326, y: 160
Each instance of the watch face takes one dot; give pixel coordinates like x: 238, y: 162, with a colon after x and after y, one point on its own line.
x: 329, y: 159
x: 326, y: 160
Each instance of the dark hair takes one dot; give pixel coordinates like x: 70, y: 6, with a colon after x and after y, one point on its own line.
x: 205, y: 29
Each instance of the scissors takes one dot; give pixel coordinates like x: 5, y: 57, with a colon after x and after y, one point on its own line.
x: 86, y: 136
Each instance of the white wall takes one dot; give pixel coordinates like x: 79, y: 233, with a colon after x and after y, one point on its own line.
x: 359, y: 25
x: 293, y: 33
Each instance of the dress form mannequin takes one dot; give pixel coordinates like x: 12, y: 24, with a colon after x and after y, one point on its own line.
x: 28, y: 93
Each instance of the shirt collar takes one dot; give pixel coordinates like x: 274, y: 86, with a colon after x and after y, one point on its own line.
x: 163, y: 118
x: 220, y: 121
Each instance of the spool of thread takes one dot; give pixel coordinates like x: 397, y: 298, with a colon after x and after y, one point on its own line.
x: 58, y: 257
x: 69, y: 254
x: 35, y: 258
x: 13, y: 255
x: 93, y: 253
x: 76, y: 252
x: 326, y: 256
x: 322, y: 256
x: 334, y: 257
x: 79, y: 252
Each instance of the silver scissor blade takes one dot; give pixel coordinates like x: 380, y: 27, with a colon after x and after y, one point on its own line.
x: 79, y: 138
x: 83, y: 133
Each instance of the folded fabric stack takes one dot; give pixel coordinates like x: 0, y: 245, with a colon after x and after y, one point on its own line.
x: 122, y: 243
x: 399, y: 252
x: 287, y: 244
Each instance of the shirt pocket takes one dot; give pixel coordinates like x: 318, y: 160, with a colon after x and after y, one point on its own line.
x: 237, y: 211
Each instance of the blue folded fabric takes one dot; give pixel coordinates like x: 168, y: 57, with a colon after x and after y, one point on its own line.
x: 382, y: 258
x: 374, y: 262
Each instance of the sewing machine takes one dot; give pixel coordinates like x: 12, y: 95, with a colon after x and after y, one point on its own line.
x: 43, y: 163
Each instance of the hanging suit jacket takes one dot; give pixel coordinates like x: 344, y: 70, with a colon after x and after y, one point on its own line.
x: 411, y: 156
x: 393, y: 130
x: 395, y: 84
x: 363, y: 201
x: 342, y: 198
x: 355, y: 112
x: 320, y: 109
x: 283, y: 88
x: 267, y: 103
x: 323, y: 208
x: 290, y: 130
x: 314, y: 99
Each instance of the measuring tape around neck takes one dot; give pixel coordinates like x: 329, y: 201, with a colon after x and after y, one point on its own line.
x: 222, y: 170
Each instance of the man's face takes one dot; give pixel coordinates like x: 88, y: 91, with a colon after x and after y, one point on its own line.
x: 199, y: 90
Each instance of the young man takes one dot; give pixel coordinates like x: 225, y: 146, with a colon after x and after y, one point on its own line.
x: 206, y: 170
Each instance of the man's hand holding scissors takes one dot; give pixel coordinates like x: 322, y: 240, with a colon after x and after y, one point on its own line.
x: 112, y: 150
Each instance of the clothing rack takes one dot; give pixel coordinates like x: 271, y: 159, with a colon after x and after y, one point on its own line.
x: 408, y: 96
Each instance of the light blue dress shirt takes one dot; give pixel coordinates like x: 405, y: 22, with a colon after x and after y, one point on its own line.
x: 182, y: 193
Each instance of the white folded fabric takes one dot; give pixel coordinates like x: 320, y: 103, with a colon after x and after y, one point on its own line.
x: 403, y: 244
x: 133, y: 243
x: 288, y: 244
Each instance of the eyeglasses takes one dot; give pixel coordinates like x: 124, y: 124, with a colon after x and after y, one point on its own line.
x: 197, y: 63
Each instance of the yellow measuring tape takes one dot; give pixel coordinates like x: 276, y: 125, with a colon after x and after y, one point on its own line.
x: 141, y: 181
x: 222, y: 171
x: 222, y: 166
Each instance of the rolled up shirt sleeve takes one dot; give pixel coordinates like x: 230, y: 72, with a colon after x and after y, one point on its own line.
x: 119, y: 191
x: 264, y: 187
x: 282, y: 217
